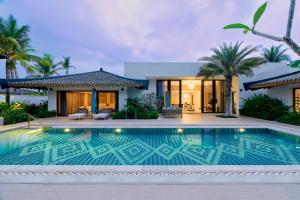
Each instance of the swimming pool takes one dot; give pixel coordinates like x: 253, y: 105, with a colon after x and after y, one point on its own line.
x: 149, y: 146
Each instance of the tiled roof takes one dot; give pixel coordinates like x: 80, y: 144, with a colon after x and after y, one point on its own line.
x: 89, y: 79
x: 284, y: 79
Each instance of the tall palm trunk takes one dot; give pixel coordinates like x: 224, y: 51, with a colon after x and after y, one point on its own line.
x: 8, y: 76
x: 228, y: 96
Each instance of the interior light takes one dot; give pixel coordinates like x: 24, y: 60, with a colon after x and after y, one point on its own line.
x: 67, y: 130
x: 118, y: 130
x: 242, y: 130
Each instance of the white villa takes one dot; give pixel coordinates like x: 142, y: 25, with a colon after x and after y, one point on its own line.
x: 176, y: 82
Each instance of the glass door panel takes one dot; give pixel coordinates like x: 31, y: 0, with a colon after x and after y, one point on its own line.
x: 175, y: 93
x: 208, y: 96
x: 297, y: 100
x: 78, y: 102
x: 191, y: 95
x: 220, y: 96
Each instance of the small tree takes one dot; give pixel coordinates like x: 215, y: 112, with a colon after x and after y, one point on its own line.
x: 230, y: 60
x: 45, y: 67
x: 66, y: 64
x: 275, y: 54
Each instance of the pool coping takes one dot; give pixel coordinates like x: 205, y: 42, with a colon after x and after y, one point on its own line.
x: 280, y: 128
x: 133, y: 174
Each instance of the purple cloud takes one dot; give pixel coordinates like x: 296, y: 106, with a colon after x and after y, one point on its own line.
x: 108, y: 33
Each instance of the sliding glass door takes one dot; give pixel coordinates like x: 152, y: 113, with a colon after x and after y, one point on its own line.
x: 208, y: 97
x: 74, y: 102
x: 193, y: 95
x: 213, y: 96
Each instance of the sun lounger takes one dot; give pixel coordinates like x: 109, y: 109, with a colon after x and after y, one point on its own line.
x: 77, y: 116
x: 103, y: 114
x: 82, y: 113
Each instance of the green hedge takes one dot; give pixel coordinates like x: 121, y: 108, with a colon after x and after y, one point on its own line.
x: 264, y: 107
x: 16, y: 112
x: 291, y: 118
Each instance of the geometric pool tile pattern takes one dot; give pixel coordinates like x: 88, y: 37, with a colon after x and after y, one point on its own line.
x: 149, y: 146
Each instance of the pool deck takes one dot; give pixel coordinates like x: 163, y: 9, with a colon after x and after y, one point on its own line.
x: 148, y: 177
x: 188, y: 120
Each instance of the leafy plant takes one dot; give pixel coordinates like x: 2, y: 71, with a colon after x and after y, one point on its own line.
x: 138, y: 109
x: 16, y: 112
x: 295, y: 64
x: 291, y: 118
x: 264, y: 107
x: 229, y: 61
x: 258, y: 14
x: 45, y: 67
x: 275, y: 54
x: 66, y: 64
x: 14, y: 48
x: 287, y: 39
x: 119, y: 115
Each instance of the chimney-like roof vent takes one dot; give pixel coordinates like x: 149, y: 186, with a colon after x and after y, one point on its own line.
x: 101, y: 69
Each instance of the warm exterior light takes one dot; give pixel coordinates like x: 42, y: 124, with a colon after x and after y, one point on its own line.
x: 180, y: 130
x: 118, y: 130
x: 242, y: 130
x: 67, y: 130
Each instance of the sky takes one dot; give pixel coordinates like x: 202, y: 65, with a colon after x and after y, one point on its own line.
x: 107, y: 33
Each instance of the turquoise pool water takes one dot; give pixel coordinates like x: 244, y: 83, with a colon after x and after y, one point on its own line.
x: 151, y: 146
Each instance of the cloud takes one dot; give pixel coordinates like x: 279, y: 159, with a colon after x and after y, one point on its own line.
x: 109, y: 32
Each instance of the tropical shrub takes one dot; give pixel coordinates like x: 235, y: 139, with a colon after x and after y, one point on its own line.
x: 148, y: 115
x: 264, y: 107
x: 16, y: 112
x: 152, y: 102
x: 291, y: 118
x: 119, y: 115
x: 13, y: 116
x: 143, y: 108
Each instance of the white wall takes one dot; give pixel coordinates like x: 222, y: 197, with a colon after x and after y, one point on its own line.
x: 284, y: 93
x: 264, y: 71
x: 161, y: 70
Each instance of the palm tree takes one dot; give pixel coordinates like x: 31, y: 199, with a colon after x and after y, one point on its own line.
x: 275, y: 54
x: 66, y: 64
x: 14, y: 47
x: 230, y: 60
x: 44, y: 68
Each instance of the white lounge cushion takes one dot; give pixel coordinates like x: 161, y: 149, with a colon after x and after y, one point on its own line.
x: 77, y: 116
x: 101, y: 116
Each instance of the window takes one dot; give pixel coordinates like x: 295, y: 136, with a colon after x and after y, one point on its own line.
x: 297, y: 100
x: 78, y: 100
x: 107, y: 101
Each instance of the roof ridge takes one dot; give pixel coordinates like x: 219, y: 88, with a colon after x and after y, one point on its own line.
x: 247, y: 84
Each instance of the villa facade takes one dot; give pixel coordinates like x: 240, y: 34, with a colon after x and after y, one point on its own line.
x: 179, y: 86
x: 176, y: 83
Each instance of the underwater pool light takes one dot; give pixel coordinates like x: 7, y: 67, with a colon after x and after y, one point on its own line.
x: 242, y: 130
x: 118, y: 130
x: 67, y: 130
